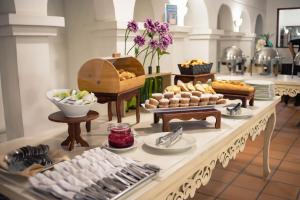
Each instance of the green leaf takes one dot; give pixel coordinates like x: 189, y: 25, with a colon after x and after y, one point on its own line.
x: 161, y: 53
x: 136, y: 51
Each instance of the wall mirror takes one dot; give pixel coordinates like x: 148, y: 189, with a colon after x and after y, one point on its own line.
x: 288, y: 26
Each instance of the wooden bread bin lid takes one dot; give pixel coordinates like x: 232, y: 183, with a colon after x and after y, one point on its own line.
x: 101, y: 75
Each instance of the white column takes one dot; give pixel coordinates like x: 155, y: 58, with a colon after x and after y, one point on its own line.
x: 25, y: 71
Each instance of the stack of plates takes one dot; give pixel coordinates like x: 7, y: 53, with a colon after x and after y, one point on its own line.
x: 264, y: 90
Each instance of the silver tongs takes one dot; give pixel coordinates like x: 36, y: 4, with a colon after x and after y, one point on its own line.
x: 170, y: 138
x: 235, y: 110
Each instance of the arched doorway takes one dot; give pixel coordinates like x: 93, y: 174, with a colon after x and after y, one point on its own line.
x: 245, y: 27
x: 225, y: 21
x: 259, y: 25
x: 142, y: 10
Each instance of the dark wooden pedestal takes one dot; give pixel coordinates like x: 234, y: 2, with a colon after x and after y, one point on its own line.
x: 187, y: 115
x: 195, y: 78
x: 74, y: 127
x: 119, y: 98
x: 243, y: 98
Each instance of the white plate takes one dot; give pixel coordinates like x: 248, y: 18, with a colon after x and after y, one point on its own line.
x: 259, y: 82
x: 244, y: 114
x: 184, y: 143
x: 106, y: 145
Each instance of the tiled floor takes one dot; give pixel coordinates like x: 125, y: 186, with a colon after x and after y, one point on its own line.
x: 242, y: 178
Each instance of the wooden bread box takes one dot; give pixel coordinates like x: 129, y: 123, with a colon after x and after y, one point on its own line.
x: 100, y: 75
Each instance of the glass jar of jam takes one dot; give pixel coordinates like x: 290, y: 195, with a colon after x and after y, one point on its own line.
x: 120, y: 135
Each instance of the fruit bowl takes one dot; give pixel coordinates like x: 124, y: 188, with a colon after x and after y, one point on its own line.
x: 73, y: 103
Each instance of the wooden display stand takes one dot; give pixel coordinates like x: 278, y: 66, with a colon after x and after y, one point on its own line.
x: 167, y: 116
x: 74, y: 127
x: 243, y: 98
x: 194, y: 78
x: 119, y: 98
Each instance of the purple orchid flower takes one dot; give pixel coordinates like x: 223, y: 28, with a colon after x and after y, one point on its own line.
x: 164, y: 42
x: 132, y: 26
x: 150, y: 26
x: 153, y: 44
x: 163, y: 28
x: 139, y: 40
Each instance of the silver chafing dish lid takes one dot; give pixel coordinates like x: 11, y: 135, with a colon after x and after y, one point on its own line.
x: 297, y: 59
x: 233, y: 53
x: 265, y: 55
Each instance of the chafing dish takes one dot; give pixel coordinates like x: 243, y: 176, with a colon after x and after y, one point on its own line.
x: 296, y: 61
x: 234, y: 58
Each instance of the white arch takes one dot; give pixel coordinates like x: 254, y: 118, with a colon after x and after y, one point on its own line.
x: 246, y: 24
x: 197, y: 15
x: 225, y: 20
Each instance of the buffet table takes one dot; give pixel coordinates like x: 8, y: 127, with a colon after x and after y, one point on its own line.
x: 284, y: 84
x: 182, y: 173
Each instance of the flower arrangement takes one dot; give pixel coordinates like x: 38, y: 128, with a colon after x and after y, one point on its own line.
x: 154, y: 41
x: 264, y: 41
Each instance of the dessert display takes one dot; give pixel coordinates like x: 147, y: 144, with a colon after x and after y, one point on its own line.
x: 232, y: 87
x: 124, y: 75
x: 95, y: 174
x: 186, y: 95
x: 195, y: 66
x: 120, y: 136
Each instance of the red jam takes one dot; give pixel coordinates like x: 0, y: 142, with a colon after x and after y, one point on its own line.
x: 120, y: 136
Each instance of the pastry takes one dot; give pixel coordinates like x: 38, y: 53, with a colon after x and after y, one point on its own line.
x: 213, y: 97
x: 168, y: 95
x: 182, y: 86
x: 212, y: 102
x: 157, y: 96
x: 149, y: 106
x: 190, y: 86
x: 199, y: 88
x: 163, y: 102
x: 196, y: 93
x: 184, y: 105
x: 193, y: 62
x: 220, y: 96
x: 204, y: 98
x: 174, y: 105
x: 232, y: 87
x: 194, y: 104
x: 221, y: 101
x: 203, y: 103
x: 124, y: 75
x: 185, y: 94
x: 174, y: 100
x: 153, y: 101
x: 163, y: 106
x: 194, y: 99
x: 184, y: 100
x: 173, y: 88
x: 208, y: 89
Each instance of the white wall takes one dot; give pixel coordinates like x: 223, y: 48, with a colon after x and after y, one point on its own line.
x: 271, y: 20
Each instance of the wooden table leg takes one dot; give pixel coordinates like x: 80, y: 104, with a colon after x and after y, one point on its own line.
x: 166, y: 126
x: 244, y: 103
x: 78, y: 138
x: 251, y: 102
x: 118, y: 109
x: 175, y: 80
x: 88, y: 126
x: 267, y: 138
x: 66, y: 142
x: 109, y: 111
x: 71, y: 131
x: 218, y: 120
x: 137, y: 111
x: 156, y: 118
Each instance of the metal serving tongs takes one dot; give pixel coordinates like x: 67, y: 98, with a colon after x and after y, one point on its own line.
x: 170, y: 138
x: 234, y: 109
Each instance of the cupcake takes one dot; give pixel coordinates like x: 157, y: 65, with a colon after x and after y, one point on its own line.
x: 168, y: 95
x: 196, y: 93
x: 195, y: 99
x: 149, y: 106
x: 221, y: 101
x: 194, y: 104
x: 212, y: 102
x: 186, y: 94
x: 214, y: 97
x: 203, y: 103
x: 153, y: 101
x: 157, y: 96
x: 175, y: 105
x: 205, y: 97
x: 163, y: 102
x: 174, y: 100
x: 163, y: 106
x: 184, y: 100
x: 184, y: 105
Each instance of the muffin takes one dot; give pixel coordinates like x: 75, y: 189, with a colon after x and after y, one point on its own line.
x: 220, y: 96
x: 196, y: 93
x: 149, y: 106
x: 194, y: 104
x: 221, y: 101
x: 213, y: 98
x: 212, y: 102
x: 153, y: 101
x: 203, y: 103
x: 185, y: 94
x: 163, y: 106
x: 184, y: 105
x: 157, y: 96
x: 164, y: 102
x: 184, y: 100
x: 174, y: 105
x: 168, y: 95
x: 195, y: 99
x: 205, y: 97
x: 174, y: 100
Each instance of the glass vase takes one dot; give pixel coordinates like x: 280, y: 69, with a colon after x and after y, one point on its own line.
x: 157, y: 69
x: 150, y: 69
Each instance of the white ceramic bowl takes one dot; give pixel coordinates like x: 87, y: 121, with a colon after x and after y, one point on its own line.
x: 68, y: 109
